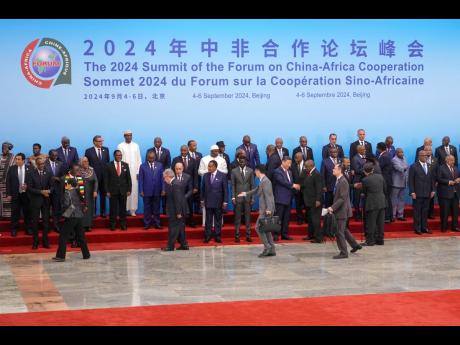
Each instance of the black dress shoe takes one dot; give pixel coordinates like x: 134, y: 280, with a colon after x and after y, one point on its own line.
x: 124, y: 227
x: 207, y: 239
x: 218, y: 240
x: 366, y: 244
x: 248, y: 239
x: 237, y: 240
x: 167, y: 249
x: 158, y: 227
x: 456, y: 230
x: 13, y: 233
x: 431, y: 217
x: 35, y: 246
x: 299, y: 222
x: 286, y: 238
x: 146, y: 227
x: 418, y: 232
x: 380, y: 243
x: 316, y: 241
x: 29, y: 233
x: 271, y: 254
x: 427, y: 231
x: 340, y: 256
x: 263, y: 254
x: 183, y: 248
x: 46, y: 245
x: 355, y: 249
x: 58, y: 259
x: 402, y: 219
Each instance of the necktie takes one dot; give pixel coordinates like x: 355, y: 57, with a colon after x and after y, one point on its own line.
x: 447, y: 150
x: 361, y: 143
x: 452, y: 172
x: 248, y: 148
x: 242, y: 172
x: 118, y: 169
x: 193, y: 155
x: 158, y: 153
x: 304, y: 153
x: 99, y: 155
x: 280, y: 153
x: 21, y: 175
x: 53, y: 167
x: 425, y: 168
x: 185, y: 162
x: 66, y: 154
x: 300, y: 169
x: 212, y: 178
x: 287, y: 173
x: 179, y: 177
x: 335, y: 161
x: 151, y: 167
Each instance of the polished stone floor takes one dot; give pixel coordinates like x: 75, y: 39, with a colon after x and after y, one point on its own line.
x: 32, y: 282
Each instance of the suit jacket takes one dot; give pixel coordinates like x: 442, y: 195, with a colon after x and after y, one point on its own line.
x: 444, y: 176
x: 434, y: 167
x: 115, y: 184
x: 441, y: 154
x: 35, y: 185
x: 164, y: 158
x: 240, y: 183
x: 340, y: 153
x: 176, y: 202
x: 273, y: 163
x: 186, y: 184
x: 284, y: 150
x: 400, y: 172
x: 354, y: 148
x: 265, y: 193
x: 309, y: 153
x: 295, y: 170
x: 386, y: 166
x: 374, y: 188
x: 98, y: 164
x: 192, y: 168
x: 391, y: 151
x: 151, y: 182
x: 341, y: 204
x: 72, y: 157
x: 214, y: 194
x: 59, y: 170
x: 327, y: 165
x: 12, y: 179
x: 311, y: 187
x: 282, y: 188
x: 357, y: 164
x: 420, y: 183
x: 252, y: 155
x: 227, y: 160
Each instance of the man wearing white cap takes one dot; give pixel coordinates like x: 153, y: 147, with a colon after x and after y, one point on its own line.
x: 132, y: 156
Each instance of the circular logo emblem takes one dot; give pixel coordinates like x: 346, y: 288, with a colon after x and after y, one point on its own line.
x: 46, y: 62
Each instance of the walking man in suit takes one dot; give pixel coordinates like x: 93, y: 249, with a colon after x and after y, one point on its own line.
x: 118, y: 185
x: 242, y: 181
x: 445, y: 150
x: 252, y: 154
x: 98, y: 157
x: 307, y: 152
x: 421, y: 189
x: 16, y: 192
x: 341, y: 208
x: 311, y: 186
x: 213, y: 198
x: 39, y: 187
x: 327, y: 167
x: 150, y: 189
x: 333, y: 145
x: 361, y: 142
x: 448, y: 193
x: 67, y: 154
x: 266, y: 209
x: 177, y: 210
x: 283, y: 190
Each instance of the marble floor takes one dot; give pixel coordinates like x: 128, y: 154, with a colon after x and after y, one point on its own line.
x: 32, y: 282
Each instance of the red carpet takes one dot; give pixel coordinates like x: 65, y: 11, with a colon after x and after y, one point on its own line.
x: 427, y: 308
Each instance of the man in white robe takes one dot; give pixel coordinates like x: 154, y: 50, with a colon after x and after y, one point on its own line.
x: 132, y: 156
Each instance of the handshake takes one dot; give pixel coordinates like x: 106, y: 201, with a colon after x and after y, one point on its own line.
x: 454, y: 182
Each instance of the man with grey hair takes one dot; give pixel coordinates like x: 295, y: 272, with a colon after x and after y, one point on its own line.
x: 400, y: 175
x: 426, y: 142
x: 361, y: 133
x: 177, y: 210
x: 280, y: 150
x: 307, y: 152
x: 67, y: 154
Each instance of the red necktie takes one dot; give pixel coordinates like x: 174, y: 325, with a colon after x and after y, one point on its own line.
x: 118, y: 169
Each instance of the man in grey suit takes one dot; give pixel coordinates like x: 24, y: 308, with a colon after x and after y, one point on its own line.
x: 266, y: 208
x: 400, y: 175
x: 242, y: 179
x: 341, y: 207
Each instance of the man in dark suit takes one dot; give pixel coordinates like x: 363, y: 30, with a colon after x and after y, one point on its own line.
x: 196, y: 156
x: 56, y: 169
x: 357, y: 164
x: 252, y: 154
x: 186, y: 183
x: 448, y: 193
x: 67, y: 154
x: 307, y: 152
x: 421, y: 189
x: 389, y: 147
x: 327, y: 167
x: 177, y: 210
x: 150, y: 188
x: 311, y: 186
x: 213, y: 198
x: 297, y: 167
x: 374, y: 188
x: 361, y: 141
x: 433, y: 166
x: 163, y: 156
x: 426, y: 142
x: 225, y: 156
x: 444, y: 150
x: 283, y: 190
x: 118, y: 185
x: 189, y: 168
x: 242, y: 179
x: 39, y: 187
x: 386, y: 166
x: 98, y: 157
x: 16, y: 192
x: 341, y: 208
x: 279, y: 149
x: 333, y: 145
x: 273, y: 161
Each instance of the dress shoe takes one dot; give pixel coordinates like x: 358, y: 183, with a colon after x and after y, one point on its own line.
x: 183, y: 248
x: 355, y: 249
x: 87, y: 229
x: 112, y: 227
x: 444, y: 230
x: 402, y: 219
x: 248, y: 239
x: 124, y: 227
x: 263, y: 254
x: 275, y: 237
x: 418, y: 232
x: 207, y: 239
x: 146, y: 227
x: 388, y: 221
x: 58, y: 259
x: 237, y: 240
x: 316, y: 241
x: 13, y: 233
x: 29, y: 233
x: 286, y: 238
x: 35, y: 246
x: 158, y: 227
x: 103, y: 215
x: 427, y: 231
x: 379, y: 243
x: 86, y: 257
x: 192, y: 225
x: 167, y: 249
x: 366, y: 244
x: 340, y: 256
x: 271, y: 254
x: 218, y: 240
x: 299, y: 222
x: 456, y: 230
x: 431, y: 217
